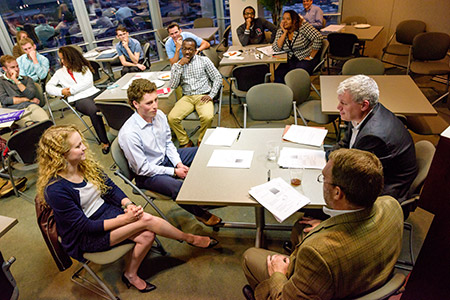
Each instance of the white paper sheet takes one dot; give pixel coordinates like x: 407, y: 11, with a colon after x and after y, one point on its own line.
x: 302, y: 158
x: 278, y: 197
x: 305, y: 135
x: 222, y: 136
x: 144, y: 75
x: 240, y: 159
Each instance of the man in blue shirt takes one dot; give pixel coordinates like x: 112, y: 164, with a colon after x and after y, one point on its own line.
x: 146, y: 141
x: 173, y: 44
x: 312, y: 14
x: 32, y: 64
x: 130, y: 52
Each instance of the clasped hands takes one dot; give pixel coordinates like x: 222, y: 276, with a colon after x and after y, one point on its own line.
x: 181, y: 170
x: 133, y: 213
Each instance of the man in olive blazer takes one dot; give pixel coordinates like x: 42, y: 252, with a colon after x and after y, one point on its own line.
x: 352, y: 252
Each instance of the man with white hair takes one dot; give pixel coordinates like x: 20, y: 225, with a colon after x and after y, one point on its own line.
x: 374, y: 128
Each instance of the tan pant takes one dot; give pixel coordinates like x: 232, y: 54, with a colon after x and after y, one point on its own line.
x: 254, y: 264
x: 33, y: 113
x: 183, y: 108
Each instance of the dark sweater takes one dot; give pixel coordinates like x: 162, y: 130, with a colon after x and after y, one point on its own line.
x: 256, y: 35
x: 9, y: 89
x: 71, y: 222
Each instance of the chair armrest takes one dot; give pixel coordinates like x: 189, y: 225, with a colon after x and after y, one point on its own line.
x: 245, y: 115
x: 267, y: 77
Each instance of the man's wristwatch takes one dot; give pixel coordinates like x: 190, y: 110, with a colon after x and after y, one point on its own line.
x: 310, y: 57
x: 174, y: 173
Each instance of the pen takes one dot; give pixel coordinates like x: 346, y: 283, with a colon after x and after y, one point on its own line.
x: 238, y: 136
x: 268, y: 175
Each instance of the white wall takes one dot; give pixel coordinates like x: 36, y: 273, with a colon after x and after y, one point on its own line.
x: 236, y: 8
x: 388, y: 13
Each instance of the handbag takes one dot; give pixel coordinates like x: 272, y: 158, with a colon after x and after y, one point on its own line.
x: 47, y: 225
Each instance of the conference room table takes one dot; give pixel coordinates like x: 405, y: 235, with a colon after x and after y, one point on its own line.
x: 229, y: 186
x: 6, y: 223
x: 363, y: 34
x: 248, y: 56
x: 206, y: 33
x: 398, y: 93
x: 93, y: 55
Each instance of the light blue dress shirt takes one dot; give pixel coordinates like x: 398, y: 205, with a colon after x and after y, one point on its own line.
x: 134, y: 45
x: 35, y: 71
x: 170, y: 44
x: 145, y: 145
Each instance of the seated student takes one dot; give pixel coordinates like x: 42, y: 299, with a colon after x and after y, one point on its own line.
x: 87, y: 205
x: 102, y: 20
x: 17, y: 50
x: 31, y: 63
x: 349, y: 254
x: 312, y: 14
x: 374, y: 128
x: 146, y: 141
x: 252, y: 31
x: 173, y: 43
x: 19, y: 92
x: 300, y: 40
x: 44, y: 31
x: 200, y: 82
x: 75, y: 82
x: 130, y: 52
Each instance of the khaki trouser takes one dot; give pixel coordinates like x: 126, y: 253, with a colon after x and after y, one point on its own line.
x: 254, y: 264
x: 183, y: 108
x: 33, y: 113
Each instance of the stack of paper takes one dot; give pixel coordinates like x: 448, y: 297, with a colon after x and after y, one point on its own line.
x: 305, y: 135
x: 332, y: 28
x: 278, y: 197
x: 301, y: 158
x: 240, y: 159
x: 222, y: 136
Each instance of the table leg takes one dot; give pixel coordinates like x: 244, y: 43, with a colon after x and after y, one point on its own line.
x: 260, y: 224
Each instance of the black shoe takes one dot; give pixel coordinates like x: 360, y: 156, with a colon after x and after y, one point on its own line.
x: 248, y: 292
x: 148, y: 288
x: 212, y: 242
x: 106, y: 149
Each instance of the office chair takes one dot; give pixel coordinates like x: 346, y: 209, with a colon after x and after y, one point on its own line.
x: 391, y: 287
x: 320, y: 66
x: 404, y: 35
x: 163, y: 35
x: 101, y: 77
x: 424, y: 156
x: 343, y: 46
x: 223, y: 45
x: 146, y: 50
x: 123, y: 171
x: 269, y: 102
x: 298, y: 80
x: 115, y: 114
x: 203, y: 22
x: 8, y: 286
x: 363, y: 65
x: 22, y: 150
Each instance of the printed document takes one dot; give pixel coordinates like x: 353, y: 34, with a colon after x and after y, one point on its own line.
x: 222, y: 136
x: 240, y: 159
x: 302, y: 158
x: 305, y: 135
x: 278, y: 197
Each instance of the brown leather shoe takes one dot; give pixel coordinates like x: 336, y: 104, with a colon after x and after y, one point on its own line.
x: 189, y: 144
x: 212, y: 221
x: 198, y: 143
x: 8, y: 190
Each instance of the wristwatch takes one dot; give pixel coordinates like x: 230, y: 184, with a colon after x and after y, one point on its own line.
x: 310, y: 57
x: 174, y: 172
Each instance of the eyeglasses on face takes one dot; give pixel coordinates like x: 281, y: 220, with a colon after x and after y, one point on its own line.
x: 321, y: 179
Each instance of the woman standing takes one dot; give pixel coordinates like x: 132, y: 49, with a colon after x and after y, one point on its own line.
x: 300, y: 40
x: 87, y: 205
x: 75, y: 82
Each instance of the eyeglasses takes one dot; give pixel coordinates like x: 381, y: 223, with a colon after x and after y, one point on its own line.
x: 321, y: 179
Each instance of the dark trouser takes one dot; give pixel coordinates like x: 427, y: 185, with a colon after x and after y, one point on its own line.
x: 294, y: 63
x: 169, y: 186
x: 87, y: 107
x: 126, y: 70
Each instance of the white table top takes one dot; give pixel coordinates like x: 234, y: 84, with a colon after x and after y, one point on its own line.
x: 120, y: 95
x: 95, y: 58
x: 204, y: 33
x: 249, y: 58
x: 227, y: 186
x: 398, y: 93
x: 6, y: 223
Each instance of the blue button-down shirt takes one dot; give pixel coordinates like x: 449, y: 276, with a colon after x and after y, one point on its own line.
x: 30, y: 69
x: 146, y: 145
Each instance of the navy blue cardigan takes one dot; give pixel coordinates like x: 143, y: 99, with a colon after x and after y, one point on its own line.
x: 71, y: 222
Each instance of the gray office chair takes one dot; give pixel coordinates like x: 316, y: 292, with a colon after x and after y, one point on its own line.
x: 298, y: 81
x: 391, y: 287
x: 363, y: 65
x: 163, y: 35
x: 123, y: 171
x: 321, y: 65
x: 223, y: 45
x: 193, y: 116
x: 8, y: 286
x: 146, y: 50
x: 424, y: 156
x: 404, y: 35
x: 203, y: 22
x: 22, y: 150
x: 269, y: 102
x: 354, y: 19
x: 225, y: 71
x: 115, y: 114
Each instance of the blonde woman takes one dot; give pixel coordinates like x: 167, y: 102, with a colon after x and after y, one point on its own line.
x: 88, y: 206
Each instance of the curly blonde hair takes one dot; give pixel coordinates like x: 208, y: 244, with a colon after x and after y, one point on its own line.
x: 52, y: 147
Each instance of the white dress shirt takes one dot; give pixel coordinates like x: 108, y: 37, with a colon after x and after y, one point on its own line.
x: 146, y: 145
